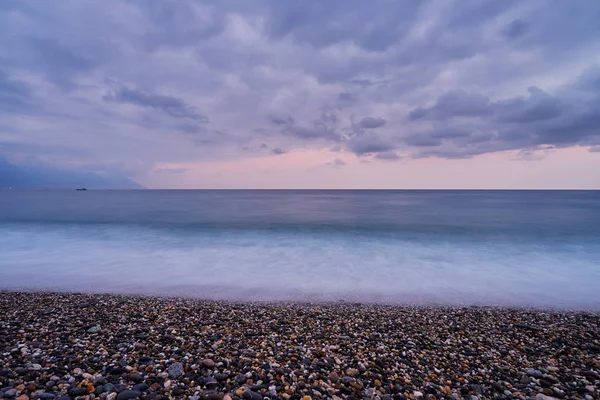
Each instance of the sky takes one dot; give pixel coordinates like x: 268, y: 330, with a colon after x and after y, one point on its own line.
x: 305, y: 94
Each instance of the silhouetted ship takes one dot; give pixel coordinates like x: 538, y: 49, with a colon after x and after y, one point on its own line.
x: 80, y: 189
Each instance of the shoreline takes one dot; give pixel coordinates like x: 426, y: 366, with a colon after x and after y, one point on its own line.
x: 252, y: 297
x: 60, y: 345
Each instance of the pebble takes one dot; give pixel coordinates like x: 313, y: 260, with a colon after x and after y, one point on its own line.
x: 334, y: 377
x: 128, y: 394
x: 171, y: 348
x: 175, y: 370
x: 250, y: 395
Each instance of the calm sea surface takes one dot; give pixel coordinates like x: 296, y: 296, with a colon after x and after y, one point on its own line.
x: 539, y: 248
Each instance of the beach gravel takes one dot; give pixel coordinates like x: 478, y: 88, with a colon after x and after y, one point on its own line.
x: 108, y: 347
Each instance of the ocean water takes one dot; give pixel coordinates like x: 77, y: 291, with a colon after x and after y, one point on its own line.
x: 513, y: 248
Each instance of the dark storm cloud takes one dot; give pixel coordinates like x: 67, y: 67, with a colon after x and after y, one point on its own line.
x: 170, y: 105
x: 15, y: 96
x: 369, y: 143
x: 568, y: 118
x: 372, y: 123
x: 281, y: 120
x: 278, y: 151
x: 515, y: 29
x: 453, y: 104
x: 327, y: 23
x: 388, y: 156
x: 347, y: 97
x: 136, y: 82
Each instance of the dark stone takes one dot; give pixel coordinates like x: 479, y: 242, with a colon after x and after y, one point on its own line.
x: 119, y: 387
x: 250, y: 395
x: 76, y: 392
x: 256, y: 388
x: 47, y: 396
x: 141, y: 387
x: 345, y: 390
x: 21, y: 371
x: 208, y: 363
x: 430, y: 390
x: 128, y: 394
x: 208, y: 381
x: 222, y: 377
x: 109, y: 388
x: 117, y: 371
x: 136, y: 378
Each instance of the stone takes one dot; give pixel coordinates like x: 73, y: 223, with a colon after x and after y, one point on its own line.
x: 76, y: 392
x: 208, y: 363
x: 352, y: 372
x: 94, y: 329
x: 250, y: 395
x: 129, y: 394
x: 109, y: 388
x: 111, y: 396
x: 334, y: 377
x: 175, y: 370
x: 136, y: 378
x: 535, y: 373
x: 222, y: 377
x: 540, y: 396
x: 141, y: 387
x: 47, y: 396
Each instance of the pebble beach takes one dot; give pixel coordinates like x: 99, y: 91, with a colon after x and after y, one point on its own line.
x: 88, y: 346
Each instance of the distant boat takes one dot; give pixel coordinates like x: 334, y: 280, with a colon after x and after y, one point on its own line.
x: 81, y: 189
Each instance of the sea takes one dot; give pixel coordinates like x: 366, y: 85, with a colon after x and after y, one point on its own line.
x: 468, y: 248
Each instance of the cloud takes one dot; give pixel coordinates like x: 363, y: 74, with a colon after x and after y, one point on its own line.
x: 515, y: 29
x: 457, y: 103
x: 568, y: 117
x: 387, y: 156
x: 281, y: 120
x: 347, y: 97
x: 15, y: 96
x: 170, y: 170
x: 336, y: 162
x: 151, y: 83
x: 278, y: 151
x: 369, y: 143
x: 372, y: 123
x: 170, y: 105
x: 532, y: 154
x: 594, y: 149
